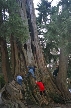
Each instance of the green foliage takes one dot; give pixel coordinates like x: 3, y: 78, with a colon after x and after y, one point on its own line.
x: 47, y: 54
x: 3, y: 4
x: 12, y: 6
x: 14, y: 25
x: 44, y: 10
x: 58, y: 30
x: 50, y: 28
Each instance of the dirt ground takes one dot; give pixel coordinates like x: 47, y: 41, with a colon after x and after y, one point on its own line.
x: 52, y: 106
x: 43, y: 106
x: 60, y: 105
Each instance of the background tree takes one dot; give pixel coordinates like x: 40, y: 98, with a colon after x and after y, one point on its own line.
x: 47, y: 45
x: 57, y: 32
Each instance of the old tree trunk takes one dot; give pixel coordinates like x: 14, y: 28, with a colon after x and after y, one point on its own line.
x: 21, y: 56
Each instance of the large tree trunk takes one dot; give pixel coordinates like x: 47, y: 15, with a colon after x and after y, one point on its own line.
x: 18, y: 62
x: 42, y: 72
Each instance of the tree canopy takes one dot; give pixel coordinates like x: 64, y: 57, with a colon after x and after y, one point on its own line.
x: 12, y: 24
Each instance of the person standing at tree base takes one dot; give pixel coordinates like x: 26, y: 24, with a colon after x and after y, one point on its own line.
x: 55, y: 73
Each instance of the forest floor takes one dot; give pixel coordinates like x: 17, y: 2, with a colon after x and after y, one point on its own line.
x: 49, y: 106
x: 59, y: 105
x: 52, y: 106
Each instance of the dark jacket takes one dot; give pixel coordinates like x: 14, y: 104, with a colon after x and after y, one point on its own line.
x: 56, y: 71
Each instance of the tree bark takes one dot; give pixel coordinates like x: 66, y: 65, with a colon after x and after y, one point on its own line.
x: 5, y: 61
x: 33, y: 54
x: 12, y: 56
x: 62, y: 74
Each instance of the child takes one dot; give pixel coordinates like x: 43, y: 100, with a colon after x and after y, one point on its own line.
x: 41, y: 87
x: 19, y: 79
x: 42, y: 92
x: 31, y: 71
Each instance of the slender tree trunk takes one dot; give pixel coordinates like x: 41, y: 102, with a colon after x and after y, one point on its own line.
x: 62, y: 75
